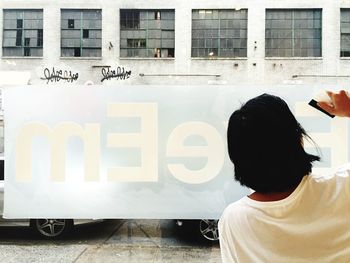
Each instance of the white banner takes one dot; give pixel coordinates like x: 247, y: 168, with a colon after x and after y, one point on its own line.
x: 136, y: 151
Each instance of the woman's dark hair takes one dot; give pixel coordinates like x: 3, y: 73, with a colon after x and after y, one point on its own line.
x: 265, y: 144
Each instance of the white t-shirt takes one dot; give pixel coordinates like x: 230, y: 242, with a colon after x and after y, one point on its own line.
x: 310, y: 225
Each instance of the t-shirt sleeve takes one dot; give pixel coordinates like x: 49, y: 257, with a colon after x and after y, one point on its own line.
x: 227, y: 249
x: 343, y: 174
x: 338, y: 181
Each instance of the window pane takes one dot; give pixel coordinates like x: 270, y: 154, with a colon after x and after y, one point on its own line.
x: 70, y: 23
x: 15, y: 52
x: 10, y: 34
x: 85, y: 33
x: 9, y: 42
x: 91, y: 52
x: 19, y: 23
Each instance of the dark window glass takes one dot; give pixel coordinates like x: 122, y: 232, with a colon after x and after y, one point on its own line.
x: 26, y: 52
x: 70, y: 23
x: 157, y: 15
x: 40, y: 38
x: 345, y: 53
x: 171, y: 52
x: 85, y: 33
x: 130, y: 19
x: 40, y: 33
x: 27, y: 42
x: 19, y: 38
x: 19, y: 23
x: 77, y: 52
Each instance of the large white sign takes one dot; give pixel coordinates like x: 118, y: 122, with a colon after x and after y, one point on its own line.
x: 136, y: 151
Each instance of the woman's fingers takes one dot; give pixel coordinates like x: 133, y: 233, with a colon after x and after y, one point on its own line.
x: 339, y: 105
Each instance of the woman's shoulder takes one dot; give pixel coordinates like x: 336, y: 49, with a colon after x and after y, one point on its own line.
x: 336, y: 182
x: 234, y: 210
x: 338, y: 173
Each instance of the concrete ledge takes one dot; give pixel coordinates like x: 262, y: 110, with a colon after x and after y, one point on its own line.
x: 6, y: 57
x: 293, y: 58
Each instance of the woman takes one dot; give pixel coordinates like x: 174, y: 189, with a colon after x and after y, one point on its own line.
x: 291, y: 216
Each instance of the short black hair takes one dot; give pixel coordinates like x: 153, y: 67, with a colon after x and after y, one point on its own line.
x: 265, y: 144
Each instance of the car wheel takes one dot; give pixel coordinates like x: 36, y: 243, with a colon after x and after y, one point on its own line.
x: 52, y: 228
x: 209, y: 229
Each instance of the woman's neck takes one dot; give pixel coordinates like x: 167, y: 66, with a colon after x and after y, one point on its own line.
x: 269, y: 197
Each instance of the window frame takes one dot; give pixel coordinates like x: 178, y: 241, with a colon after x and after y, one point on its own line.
x: 82, y: 49
x: 221, y: 15
x: 155, y: 43
x: 20, y: 32
x: 293, y: 33
x: 341, y: 34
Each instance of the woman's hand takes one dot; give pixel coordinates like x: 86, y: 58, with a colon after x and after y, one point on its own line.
x: 339, y: 104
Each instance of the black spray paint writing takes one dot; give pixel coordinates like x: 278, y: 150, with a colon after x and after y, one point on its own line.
x: 57, y: 75
x: 118, y: 73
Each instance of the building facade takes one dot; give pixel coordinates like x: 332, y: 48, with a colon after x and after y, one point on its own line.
x: 177, y: 42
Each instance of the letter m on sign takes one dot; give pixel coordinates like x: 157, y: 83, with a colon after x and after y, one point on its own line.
x: 58, y: 138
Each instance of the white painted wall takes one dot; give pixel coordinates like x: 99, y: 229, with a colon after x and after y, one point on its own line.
x: 266, y: 71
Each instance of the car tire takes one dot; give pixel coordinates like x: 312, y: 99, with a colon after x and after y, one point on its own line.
x: 52, y: 228
x: 203, y: 230
x: 208, y: 230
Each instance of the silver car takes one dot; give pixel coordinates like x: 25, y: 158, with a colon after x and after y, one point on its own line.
x: 47, y: 228
x: 56, y: 228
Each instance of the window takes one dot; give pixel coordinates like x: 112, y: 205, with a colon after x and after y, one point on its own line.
x: 85, y: 33
x: 157, y: 15
x: 26, y: 52
x: 19, y: 38
x: 77, y: 52
x: 40, y: 38
x: 26, y: 49
x: 19, y: 23
x: 219, y: 33
x: 21, y: 31
x: 130, y: 19
x: 136, y: 43
x: 70, y: 23
x: 345, y: 32
x: 147, y: 33
x: 81, y: 31
x: 26, y: 42
x: 293, y: 33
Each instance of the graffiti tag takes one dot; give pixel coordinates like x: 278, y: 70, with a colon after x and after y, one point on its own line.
x: 58, y: 75
x: 118, y: 73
